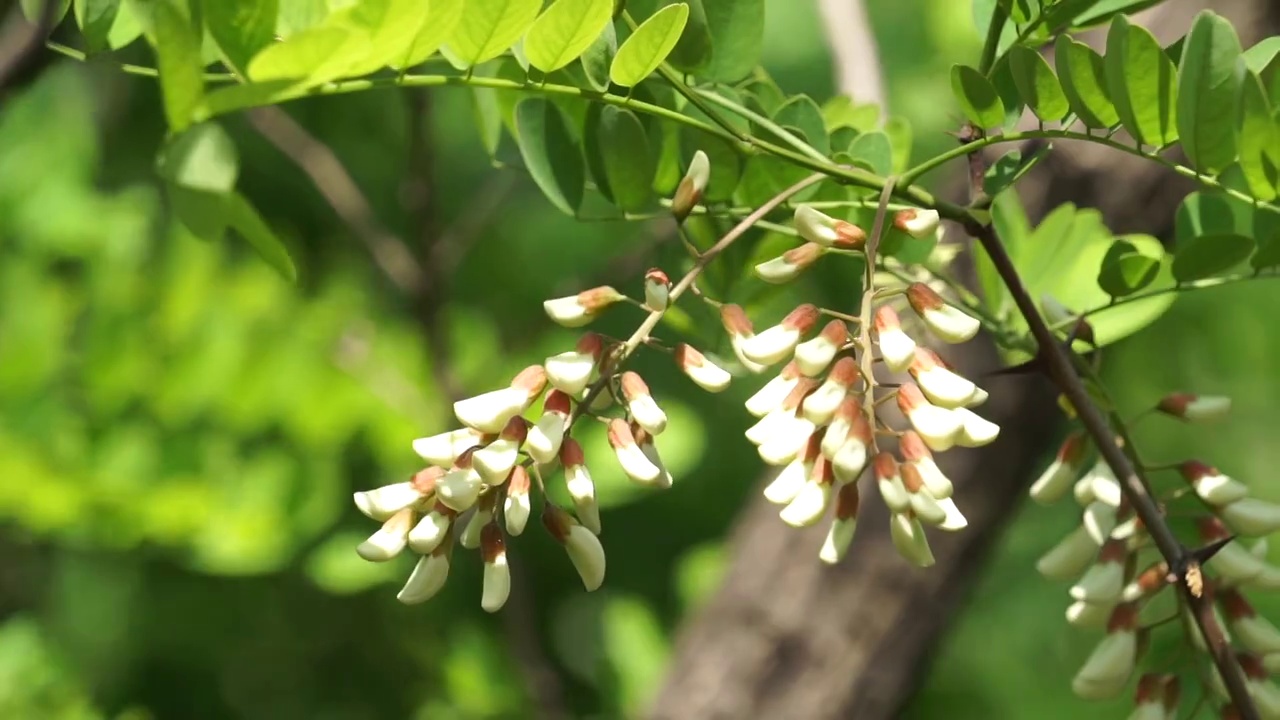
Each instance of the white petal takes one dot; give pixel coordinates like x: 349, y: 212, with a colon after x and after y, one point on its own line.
x: 954, y: 520
x: 382, y: 545
x: 637, y: 465
x: 894, y: 493
x: 770, y: 397
x: 709, y: 376
x: 1207, y: 408
x: 820, y: 406
x: 1272, y: 663
x: 849, y: 462
x: 651, y: 451
x: 922, y: 225
x: 444, y: 448
x: 908, y: 538
x: 1089, y: 615
x: 490, y: 411
x: 515, y: 511
x: 898, y: 349
x: 497, y: 584
x: 469, y: 538
x: 975, y: 430
x: 771, y: 346
x: 938, y: 484
x: 1107, y: 670
x: 567, y: 311
x: 787, y: 442
x: 429, y: 532
x: 769, y: 426
x: 778, y: 270
x: 979, y: 396
x: 583, y: 491
x: 813, y: 356
x: 751, y: 366
x: 815, y: 226
x: 808, y: 505
x: 838, y: 539
x: 1257, y: 634
x: 544, y: 438
x: 425, y: 581
x: 1220, y: 489
x: 788, y: 483
x: 381, y: 503
x: 494, y: 461
x: 1106, y: 489
x: 951, y: 324
x: 835, y: 436
x: 1251, y: 517
x: 645, y: 411
x: 1266, y: 695
x: 1083, y: 490
x: 1149, y: 711
x: 945, y: 388
x: 1102, y: 583
x: 927, y: 508
x: 1099, y: 521
x: 938, y: 427
x: 1070, y: 557
x: 587, y: 555
x: 570, y: 371
x: 459, y: 488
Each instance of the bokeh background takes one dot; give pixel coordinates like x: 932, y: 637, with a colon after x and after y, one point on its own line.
x: 181, y: 430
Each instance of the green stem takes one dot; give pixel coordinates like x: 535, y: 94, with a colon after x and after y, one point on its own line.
x: 139, y: 70
x: 763, y: 122
x: 992, y: 44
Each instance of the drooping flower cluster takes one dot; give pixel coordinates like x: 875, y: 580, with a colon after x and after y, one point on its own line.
x: 1123, y: 586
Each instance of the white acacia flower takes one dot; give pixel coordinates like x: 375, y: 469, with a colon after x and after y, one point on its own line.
x: 786, y: 485
x: 975, y: 430
x: 490, y: 411
x: 923, y: 505
x: 916, y: 453
x: 460, y: 487
x: 1156, y: 698
x: 428, y: 576
x: 1099, y: 520
x: 770, y: 397
x: 896, y: 347
x: 1251, y: 517
x: 570, y: 372
x: 1256, y: 633
x: 908, y: 538
x: 1070, y: 557
x: 840, y: 535
x: 1149, y: 582
x: 820, y: 406
x: 469, y: 538
x: 1233, y: 562
x: 634, y: 462
x: 1265, y: 694
x: 1195, y: 408
x: 516, y: 507
x: 1211, y: 485
x: 1058, y: 478
x: 1104, y: 581
x: 650, y: 450
x: 431, y: 530
x: 657, y: 290
x: 889, y: 481
x: 809, y: 505
x: 740, y: 330
x: 578, y: 310
x: 390, y: 539
x: 495, y: 460
x: 383, y: 502
x: 938, y: 427
x: 497, y: 574
x: 706, y: 374
x: 919, y: 224
x: 444, y: 448
x: 818, y: 227
x: 583, y: 547
x: 1106, y: 673
x: 953, y: 520
x: 788, y: 266
x: 774, y: 344
x: 787, y: 441
x: 689, y: 191
x: 580, y: 485
x: 545, y: 437
x: 948, y: 322
x: 840, y: 425
x: 640, y: 403
x: 1089, y: 615
x: 1100, y: 485
x: 813, y: 356
x: 941, y: 386
x: 852, y: 456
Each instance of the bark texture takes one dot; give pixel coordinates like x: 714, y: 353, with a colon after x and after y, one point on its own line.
x: 787, y: 637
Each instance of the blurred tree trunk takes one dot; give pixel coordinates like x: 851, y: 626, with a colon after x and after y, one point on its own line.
x: 788, y: 637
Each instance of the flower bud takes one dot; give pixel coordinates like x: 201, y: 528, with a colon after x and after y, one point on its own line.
x: 769, y: 397
x: 813, y: 356
x: 1195, y: 408
x: 640, y: 403
x: 384, y: 502
x: 577, y: 310
x: 1106, y: 672
x: 689, y: 191
x: 483, y: 515
x: 657, y: 290
x: 460, y: 487
x: 820, y: 405
x: 939, y: 428
x: 583, y: 547
x: 1099, y: 520
x: 495, y: 460
x: 851, y: 458
x: 820, y: 228
x: 571, y: 371
x: 1089, y: 615
x: 1251, y: 517
x: 783, y: 433
x: 706, y: 374
x: 941, y: 386
x: 497, y: 574
x: 953, y: 520
x: 490, y: 411
x: 516, y: 507
x: 1253, y: 631
x: 915, y: 452
x: 635, y: 463
x: 897, y: 349
x: 1212, y: 486
x: 923, y: 505
x: 1148, y: 582
x: 428, y: 575
x: 808, y: 506
x: 788, y: 266
x: 948, y: 322
x: 544, y: 438
x: 1232, y: 561
x: 889, y: 480
x: 1062, y: 472
x: 1149, y: 699
x: 389, y: 540
x: 919, y: 224
x: 740, y: 330
x: 838, y: 431
x: 1100, y: 485
x: 975, y: 430
x: 908, y: 538
x: 1070, y: 557
x: 776, y: 343
x: 787, y: 484
x: 581, y: 488
x: 1104, y: 581
x: 444, y: 448
x: 842, y: 528
x: 432, y: 529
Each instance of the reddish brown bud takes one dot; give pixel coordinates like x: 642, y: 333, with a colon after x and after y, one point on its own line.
x: 886, y: 319
x: 633, y: 386
x: 571, y: 454
x: 518, y: 481
x: 803, y: 318
x: 803, y: 256
x: 1235, y: 605
x: 491, y: 542
x: 590, y: 344
x: 1123, y: 617
x: 912, y: 446
x: 557, y: 402
x: 849, y: 236
x: 735, y: 321
x: 424, y: 481
x: 847, y: 501
x: 532, y: 380
x: 517, y: 429
x: 886, y: 467
x: 911, y: 479
x: 922, y: 297
x: 556, y: 521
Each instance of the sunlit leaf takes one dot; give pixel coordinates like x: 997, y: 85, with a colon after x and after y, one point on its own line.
x: 977, y: 97
x: 649, y: 45
x: 564, y: 31
x: 693, y: 51
x: 874, y: 150
x: 627, y: 159
x: 1126, y: 269
x: 393, y: 26
x: 803, y: 113
x: 1084, y: 81
x: 1259, y: 141
x: 489, y: 28
x: 202, y: 157
x: 242, y: 28
x: 245, y: 220
x: 1209, y: 79
x: 599, y: 56
x: 737, y: 36
x: 1208, y: 255
x: 177, y: 47
x: 442, y: 19
x: 95, y: 18
x: 1142, y: 82
x: 1037, y: 84
x: 312, y: 56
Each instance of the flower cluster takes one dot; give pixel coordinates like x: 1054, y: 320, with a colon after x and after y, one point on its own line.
x: 1120, y: 582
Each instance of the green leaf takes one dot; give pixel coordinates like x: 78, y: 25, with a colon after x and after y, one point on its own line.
x: 245, y: 220
x: 1002, y: 173
x: 598, y: 57
x: 564, y: 31
x: 1208, y: 255
x: 299, y: 15
x: 177, y: 47
x: 841, y: 112
x: 628, y: 163
x: 127, y: 26
x: 202, y: 212
x: 442, y: 19
x: 737, y: 36
x: 550, y: 155
x: 1142, y: 83
x: 393, y: 27
x: 1209, y: 80
x: 312, y: 57
x: 1259, y: 141
x: 203, y: 157
x: 899, y: 131
x: 1266, y: 231
x: 1210, y: 213
x: 1100, y: 11
x: 977, y: 97
x: 241, y: 28
x: 1037, y: 84
x: 649, y: 45
x: 1259, y: 56
x: 95, y: 18
x: 1007, y: 90
x: 693, y: 52
x: 489, y: 28
x: 1084, y: 82
x: 803, y: 113
x: 1126, y: 269
x: 874, y: 150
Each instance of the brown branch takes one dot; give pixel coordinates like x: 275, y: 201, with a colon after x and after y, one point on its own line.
x: 20, y: 40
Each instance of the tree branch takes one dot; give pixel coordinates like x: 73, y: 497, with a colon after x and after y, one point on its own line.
x: 854, y: 51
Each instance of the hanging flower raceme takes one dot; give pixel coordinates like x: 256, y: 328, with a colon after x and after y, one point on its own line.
x: 826, y: 231
x: 583, y: 547
x: 571, y: 372
x: 948, y: 322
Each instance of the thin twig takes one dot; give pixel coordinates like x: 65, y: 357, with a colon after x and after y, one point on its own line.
x: 864, y: 316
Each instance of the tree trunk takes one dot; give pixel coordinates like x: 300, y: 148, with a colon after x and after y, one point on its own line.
x: 788, y: 637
